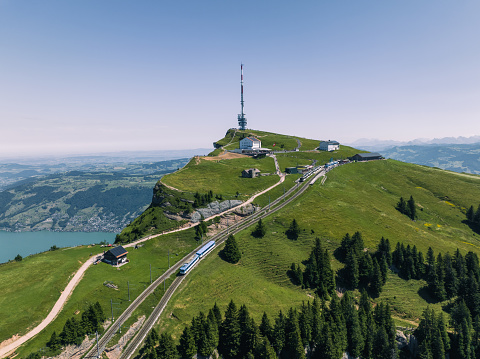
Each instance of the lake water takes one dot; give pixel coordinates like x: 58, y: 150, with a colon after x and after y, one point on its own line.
x: 26, y: 243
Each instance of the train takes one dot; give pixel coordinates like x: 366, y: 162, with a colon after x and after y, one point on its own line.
x: 207, y: 248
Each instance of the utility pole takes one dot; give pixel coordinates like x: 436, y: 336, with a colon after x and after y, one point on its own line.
x: 128, y: 285
x: 111, y: 306
x: 269, y: 203
x: 150, y: 274
x: 98, y: 349
x: 169, y: 258
x: 164, y: 286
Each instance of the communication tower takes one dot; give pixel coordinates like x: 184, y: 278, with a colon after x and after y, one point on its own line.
x: 242, y: 121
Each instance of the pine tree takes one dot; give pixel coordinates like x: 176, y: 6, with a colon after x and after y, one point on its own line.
x: 259, y: 230
x: 266, y: 328
x: 470, y: 214
x: 305, y: 323
x: 229, y: 345
x: 265, y: 350
x: 294, y: 230
x: 377, y: 281
x: 279, y: 332
x: 354, y: 330
x: 293, y: 341
x: 247, y: 332
x: 231, y: 253
x: 381, y: 346
x: 411, y: 209
x: 187, y: 347
x: 351, y: 273
x: 345, y: 246
x: 476, y: 217
x: 54, y: 343
x: 402, y: 206
x: 166, y: 347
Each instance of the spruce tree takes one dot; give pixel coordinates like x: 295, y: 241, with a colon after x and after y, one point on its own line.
x: 402, y: 206
x: 266, y: 328
x: 229, y: 345
x: 354, y: 330
x: 265, y: 350
x: 411, y: 209
x: 187, y: 348
x: 294, y: 230
x: 166, y: 347
x: 279, y: 332
x: 259, y: 230
x: 470, y: 214
x: 293, y: 341
x: 377, y: 281
x: 351, y: 273
x: 231, y: 253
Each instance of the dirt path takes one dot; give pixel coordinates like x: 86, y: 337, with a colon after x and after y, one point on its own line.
x: 12, y: 345
x: 7, y: 349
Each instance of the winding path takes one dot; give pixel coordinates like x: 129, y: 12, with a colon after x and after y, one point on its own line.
x: 8, y: 349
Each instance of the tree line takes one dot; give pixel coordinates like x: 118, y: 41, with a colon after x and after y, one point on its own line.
x: 74, y: 331
x: 321, y: 329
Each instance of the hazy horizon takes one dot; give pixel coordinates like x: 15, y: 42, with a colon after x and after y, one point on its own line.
x: 89, y: 77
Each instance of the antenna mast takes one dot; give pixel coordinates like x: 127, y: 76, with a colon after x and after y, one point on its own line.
x: 242, y: 121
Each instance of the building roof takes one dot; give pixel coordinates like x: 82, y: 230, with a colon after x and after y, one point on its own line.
x: 330, y: 142
x: 369, y: 155
x: 118, y: 251
x: 251, y: 138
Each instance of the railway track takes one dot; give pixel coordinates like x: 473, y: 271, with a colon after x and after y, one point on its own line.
x: 219, y: 238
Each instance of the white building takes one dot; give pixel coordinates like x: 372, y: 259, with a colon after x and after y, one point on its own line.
x: 250, y: 143
x: 329, y: 145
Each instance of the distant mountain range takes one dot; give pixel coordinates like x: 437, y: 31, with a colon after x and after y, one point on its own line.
x: 379, y: 145
x: 455, y: 157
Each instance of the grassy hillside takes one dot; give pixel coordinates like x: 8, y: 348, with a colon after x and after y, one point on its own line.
x: 90, y: 289
x: 355, y: 197
x: 222, y: 176
x: 282, y: 142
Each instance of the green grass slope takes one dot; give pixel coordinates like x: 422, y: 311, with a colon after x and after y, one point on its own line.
x: 222, y: 176
x: 355, y: 197
x: 282, y: 142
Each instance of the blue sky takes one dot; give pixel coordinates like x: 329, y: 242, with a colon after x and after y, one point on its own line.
x: 91, y: 76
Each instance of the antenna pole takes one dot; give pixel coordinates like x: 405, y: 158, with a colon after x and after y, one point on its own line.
x: 242, y: 121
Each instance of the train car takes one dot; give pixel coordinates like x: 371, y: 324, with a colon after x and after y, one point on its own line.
x: 206, y: 249
x: 187, y: 266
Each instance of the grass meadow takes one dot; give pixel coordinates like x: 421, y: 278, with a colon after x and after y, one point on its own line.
x: 91, y: 288
x: 223, y: 176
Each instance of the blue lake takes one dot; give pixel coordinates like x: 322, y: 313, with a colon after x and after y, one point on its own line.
x: 26, y: 243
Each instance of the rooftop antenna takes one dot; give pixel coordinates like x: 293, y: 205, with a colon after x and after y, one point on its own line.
x: 242, y: 121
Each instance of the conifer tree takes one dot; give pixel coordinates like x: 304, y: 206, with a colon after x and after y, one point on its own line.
x: 411, y: 209
x: 54, y: 343
x: 476, y: 217
x: 294, y: 230
x: 231, y: 253
x: 166, y: 347
x: 265, y: 350
x: 259, y: 230
x: 351, y: 274
x: 470, y: 214
x: 305, y: 323
x: 344, y: 246
x: 293, y: 341
x: 266, y: 328
x: 229, y: 345
x: 354, y: 330
x: 402, y: 206
x: 248, y: 332
x: 377, y: 281
x: 279, y: 332
x: 187, y: 347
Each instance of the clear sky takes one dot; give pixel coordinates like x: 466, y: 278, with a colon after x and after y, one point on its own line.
x: 83, y: 76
